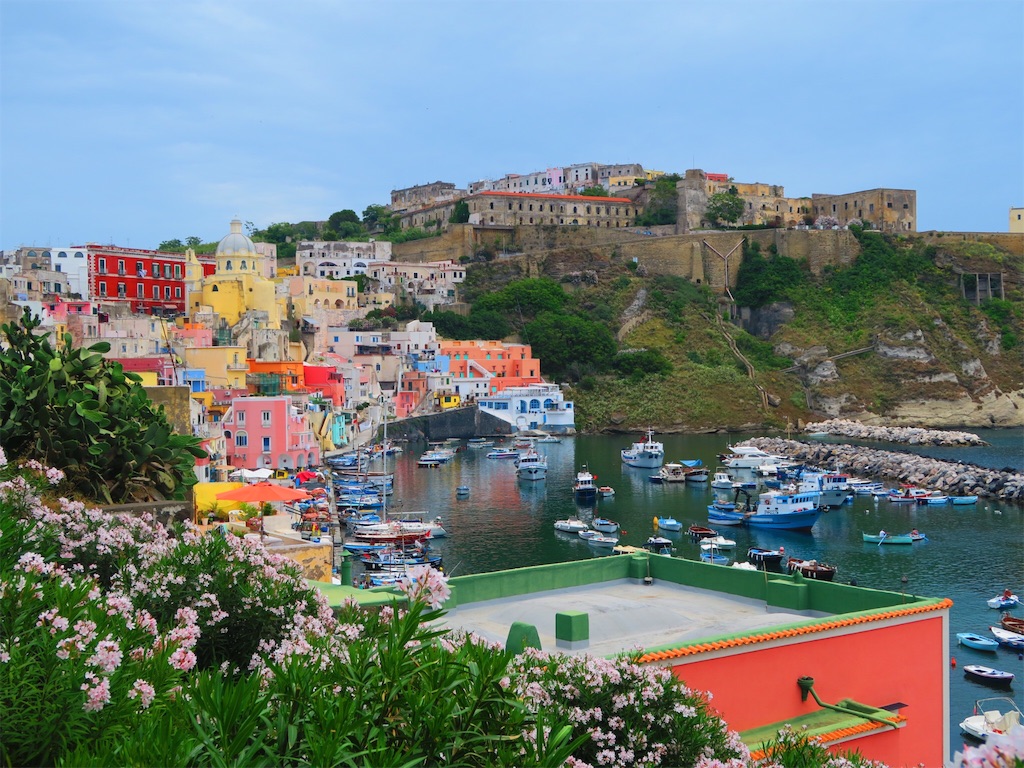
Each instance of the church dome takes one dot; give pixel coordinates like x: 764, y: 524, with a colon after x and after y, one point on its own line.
x: 236, y: 242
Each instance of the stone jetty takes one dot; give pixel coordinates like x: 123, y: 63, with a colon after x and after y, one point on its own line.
x: 951, y: 477
x: 908, y: 435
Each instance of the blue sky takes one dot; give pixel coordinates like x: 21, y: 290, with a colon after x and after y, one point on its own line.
x: 136, y: 121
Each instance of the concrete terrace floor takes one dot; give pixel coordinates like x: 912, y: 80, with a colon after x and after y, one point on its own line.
x: 624, y: 615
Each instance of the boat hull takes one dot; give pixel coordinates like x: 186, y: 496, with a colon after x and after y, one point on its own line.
x: 889, y: 538
x: 977, y: 642
x: 988, y: 675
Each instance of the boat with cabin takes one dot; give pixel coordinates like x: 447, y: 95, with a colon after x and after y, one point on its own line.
x: 659, y: 545
x: 645, y: 454
x: 604, y: 525
x: 531, y: 466
x: 583, y: 488
x: 992, y: 716
x: 749, y: 457
x: 722, y: 481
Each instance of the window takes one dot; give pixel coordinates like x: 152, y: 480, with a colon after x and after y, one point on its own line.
x: 905, y: 206
x: 240, y: 417
x: 888, y: 205
x: 871, y: 207
x: 103, y: 289
x: 140, y: 291
x: 167, y: 271
x: 265, y: 418
x: 167, y: 291
x: 101, y: 266
x: 177, y: 270
x: 241, y: 440
x: 156, y: 270
x: 156, y: 293
x: 266, y: 444
x: 121, y: 290
x: 120, y: 266
x: 177, y: 292
x: 79, y: 255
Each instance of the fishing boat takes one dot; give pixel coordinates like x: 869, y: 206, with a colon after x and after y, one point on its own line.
x: 988, y: 674
x: 700, y: 532
x: 479, y: 442
x: 1004, y: 601
x: 696, y: 473
x: 976, y: 641
x: 606, y: 491
x: 724, y: 513
x: 961, y: 501
x: 587, y: 534
x: 765, y: 556
x: 647, y: 453
x: 583, y: 487
x: 667, y: 524
x: 991, y: 716
x: 833, y: 488
x: 780, y: 510
x: 1012, y: 640
x: 887, y: 538
x: 934, y: 498
x: 570, y: 525
x: 812, y: 569
x: 549, y: 439
x: 531, y: 466
x: 907, y: 494
x: 659, y: 545
x: 604, y: 525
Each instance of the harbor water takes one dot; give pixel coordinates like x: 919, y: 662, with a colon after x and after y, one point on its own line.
x: 971, y: 553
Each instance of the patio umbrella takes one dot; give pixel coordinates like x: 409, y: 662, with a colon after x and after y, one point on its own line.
x: 257, y: 493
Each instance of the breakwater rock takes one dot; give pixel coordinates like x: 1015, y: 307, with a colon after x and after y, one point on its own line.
x: 908, y: 435
x: 954, y: 478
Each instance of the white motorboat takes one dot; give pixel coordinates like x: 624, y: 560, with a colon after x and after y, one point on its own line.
x: 749, y: 457
x: 604, y: 525
x: 647, y: 453
x: 570, y: 525
x: 583, y: 488
x: 722, y: 481
x: 601, y: 541
x: 992, y: 716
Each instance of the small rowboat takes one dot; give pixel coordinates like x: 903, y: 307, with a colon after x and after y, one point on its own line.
x: 1007, y: 638
x: 659, y: 545
x: 570, y: 525
x: 988, y: 675
x: 765, y: 556
x: 887, y: 538
x: 712, y: 555
x: 606, y: 491
x: 812, y: 569
x: 1003, y: 602
x: 601, y: 541
x: 717, y: 541
x: 1012, y: 623
x: 976, y: 641
x: 963, y: 500
x: 701, y: 532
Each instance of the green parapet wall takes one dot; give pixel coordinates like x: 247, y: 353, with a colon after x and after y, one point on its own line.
x: 539, y: 578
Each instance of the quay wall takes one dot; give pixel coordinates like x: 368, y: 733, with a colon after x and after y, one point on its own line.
x: 464, y: 423
x: 954, y: 478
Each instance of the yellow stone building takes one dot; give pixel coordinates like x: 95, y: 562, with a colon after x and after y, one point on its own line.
x: 238, y: 285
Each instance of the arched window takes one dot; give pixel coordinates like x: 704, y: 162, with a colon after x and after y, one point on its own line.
x: 244, y: 267
x: 535, y: 404
x: 215, y: 289
x: 228, y: 266
x: 549, y: 404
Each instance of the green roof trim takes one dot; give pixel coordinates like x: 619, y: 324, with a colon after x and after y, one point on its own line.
x: 828, y: 725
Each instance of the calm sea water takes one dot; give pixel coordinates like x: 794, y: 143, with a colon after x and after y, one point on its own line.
x: 972, y: 553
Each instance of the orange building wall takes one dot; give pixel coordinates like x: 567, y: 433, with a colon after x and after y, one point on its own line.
x: 904, y: 662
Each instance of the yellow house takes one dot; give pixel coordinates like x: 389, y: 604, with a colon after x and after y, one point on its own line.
x: 312, y: 293
x: 226, y: 367
x: 445, y: 400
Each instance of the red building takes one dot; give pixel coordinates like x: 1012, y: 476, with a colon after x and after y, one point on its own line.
x: 150, y: 282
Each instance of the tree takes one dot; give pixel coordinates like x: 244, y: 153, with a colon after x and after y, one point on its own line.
x: 170, y: 245
x: 662, y: 203
x: 71, y: 409
x: 570, y: 346
x: 725, y: 207
x: 597, y: 191
x: 347, y: 215
x: 380, y: 217
x: 461, y: 213
x: 193, y: 241
x: 525, y: 298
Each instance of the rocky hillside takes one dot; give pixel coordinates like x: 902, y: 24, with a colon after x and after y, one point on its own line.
x: 895, y: 338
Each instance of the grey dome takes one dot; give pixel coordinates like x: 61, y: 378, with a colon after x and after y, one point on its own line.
x: 236, y: 242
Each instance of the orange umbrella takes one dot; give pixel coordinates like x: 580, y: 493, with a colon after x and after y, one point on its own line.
x: 257, y: 493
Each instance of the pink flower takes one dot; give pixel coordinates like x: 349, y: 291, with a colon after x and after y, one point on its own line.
x: 97, y: 696
x: 182, y: 659
x: 107, y: 657
x: 143, y: 691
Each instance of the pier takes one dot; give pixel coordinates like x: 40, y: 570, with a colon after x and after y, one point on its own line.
x: 954, y: 478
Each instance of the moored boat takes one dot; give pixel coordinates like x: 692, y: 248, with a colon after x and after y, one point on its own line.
x: 570, y: 525
x: 713, y: 555
x: 1012, y: 640
x: 717, y: 541
x: 700, y: 531
x: 606, y: 491
x: 1004, y: 601
x: 988, y: 674
x: 503, y: 453
x: 647, y: 453
x: 991, y: 716
x: 602, y: 541
x: 780, y: 510
x: 1012, y: 623
x: 960, y: 501
x: 907, y: 494
x: 667, y: 524
x: 583, y: 487
x: 531, y: 466
x: 976, y: 641
x: 722, y: 481
x: 604, y: 525
x: 812, y: 569
x: 659, y: 545
x: 766, y: 556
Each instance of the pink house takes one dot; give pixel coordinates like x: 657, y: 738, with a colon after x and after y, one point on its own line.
x: 269, y: 432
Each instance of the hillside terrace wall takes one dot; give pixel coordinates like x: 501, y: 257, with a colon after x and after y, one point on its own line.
x: 1011, y: 242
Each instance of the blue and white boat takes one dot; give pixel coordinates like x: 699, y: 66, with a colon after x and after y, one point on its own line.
x: 646, y: 454
x: 668, y: 524
x: 785, y: 511
x: 961, y: 501
x: 712, y: 555
x: 583, y: 488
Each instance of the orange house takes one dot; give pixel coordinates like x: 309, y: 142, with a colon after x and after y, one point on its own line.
x: 276, y: 377
x: 508, y: 365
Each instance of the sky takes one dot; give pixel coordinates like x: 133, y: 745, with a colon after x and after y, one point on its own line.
x: 132, y: 122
